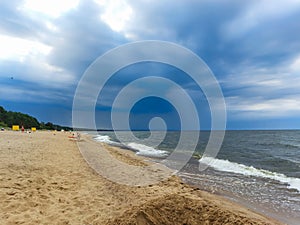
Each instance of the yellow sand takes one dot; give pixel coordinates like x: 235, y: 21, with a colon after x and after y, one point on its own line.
x: 45, y: 180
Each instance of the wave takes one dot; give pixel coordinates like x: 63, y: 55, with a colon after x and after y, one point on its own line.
x: 140, y: 149
x: 106, y: 139
x: 147, y: 150
x: 232, y: 167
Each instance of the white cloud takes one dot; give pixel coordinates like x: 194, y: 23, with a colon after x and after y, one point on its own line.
x: 51, y: 26
x: 275, y: 78
x: 264, y: 92
x: 53, y: 8
x: 18, y: 49
x: 255, y: 107
x: 295, y: 65
x: 258, y: 13
x: 47, y: 74
x: 31, y: 56
x: 117, y: 14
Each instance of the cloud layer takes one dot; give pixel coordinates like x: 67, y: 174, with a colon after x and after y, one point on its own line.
x: 252, y: 47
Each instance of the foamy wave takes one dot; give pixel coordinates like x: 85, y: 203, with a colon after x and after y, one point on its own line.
x: 139, y: 148
x: 232, y: 167
x: 146, y: 150
x: 105, y: 139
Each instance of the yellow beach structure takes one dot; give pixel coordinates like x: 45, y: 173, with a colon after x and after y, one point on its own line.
x: 15, y: 127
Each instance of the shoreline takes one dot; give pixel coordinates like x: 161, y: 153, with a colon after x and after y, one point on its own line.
x: 44, y: 179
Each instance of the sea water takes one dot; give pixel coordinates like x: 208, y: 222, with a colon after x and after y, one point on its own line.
x: 259, y: 169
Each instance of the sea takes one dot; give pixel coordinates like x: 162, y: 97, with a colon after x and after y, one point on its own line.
x: 258, y: 169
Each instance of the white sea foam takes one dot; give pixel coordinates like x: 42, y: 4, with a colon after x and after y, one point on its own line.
x: 147, y: 150
x: 139, y: 148
x: 232, y: 167
x: 105, y: 139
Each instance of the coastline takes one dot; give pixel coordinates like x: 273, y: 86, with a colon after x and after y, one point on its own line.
x: 44, y: 179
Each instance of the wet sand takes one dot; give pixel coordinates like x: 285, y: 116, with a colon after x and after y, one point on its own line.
x: 45, y: 180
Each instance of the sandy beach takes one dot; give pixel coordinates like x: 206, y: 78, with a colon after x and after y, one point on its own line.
x: 45, y: 180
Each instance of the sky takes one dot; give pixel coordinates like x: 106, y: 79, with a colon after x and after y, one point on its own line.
x: 252, y: 47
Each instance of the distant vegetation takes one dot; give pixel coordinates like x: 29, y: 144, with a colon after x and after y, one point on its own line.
x: 9, y: 118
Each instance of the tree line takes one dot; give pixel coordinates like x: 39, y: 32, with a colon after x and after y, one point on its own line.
x: 9, y: 118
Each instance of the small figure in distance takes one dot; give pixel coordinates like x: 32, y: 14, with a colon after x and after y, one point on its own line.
x: 78, y: 136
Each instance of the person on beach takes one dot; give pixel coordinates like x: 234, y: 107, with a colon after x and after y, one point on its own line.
x: 78, y: 136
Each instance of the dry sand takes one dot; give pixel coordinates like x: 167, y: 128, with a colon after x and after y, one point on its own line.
x: 45, y: 180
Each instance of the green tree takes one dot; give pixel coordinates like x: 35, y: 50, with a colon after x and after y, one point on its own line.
x: 9, y: 118
x: 2, y: 114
